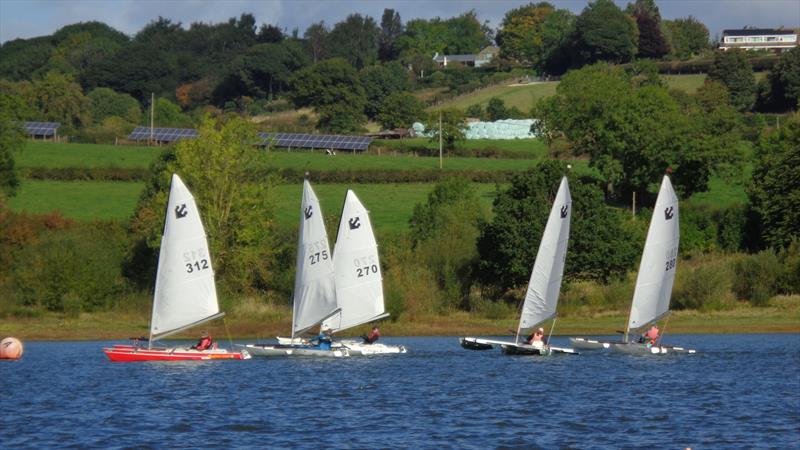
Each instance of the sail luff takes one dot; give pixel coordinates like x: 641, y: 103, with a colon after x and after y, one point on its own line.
x: 659, y: 259
x: 541, y: 298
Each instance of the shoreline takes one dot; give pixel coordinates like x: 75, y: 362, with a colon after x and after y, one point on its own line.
x: 118, y: 326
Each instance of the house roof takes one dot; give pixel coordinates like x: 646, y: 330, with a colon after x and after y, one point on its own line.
x: 757, y: 32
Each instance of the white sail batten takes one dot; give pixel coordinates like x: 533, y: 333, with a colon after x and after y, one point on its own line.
x: 657, y: 269
x: 314, y: 291
x: 359, y: 287
x: 544, y: 286
x: 185, y: 293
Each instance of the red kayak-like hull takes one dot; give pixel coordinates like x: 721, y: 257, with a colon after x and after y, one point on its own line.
x: 131, y: 353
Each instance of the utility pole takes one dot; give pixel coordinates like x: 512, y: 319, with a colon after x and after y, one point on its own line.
x: 633, y: 208
x: 152, y: 112
x: 440, y: 139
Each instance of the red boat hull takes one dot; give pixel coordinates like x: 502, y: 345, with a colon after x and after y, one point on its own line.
x: 130, y: 353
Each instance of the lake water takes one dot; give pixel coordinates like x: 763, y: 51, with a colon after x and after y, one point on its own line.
x: 741, y: 391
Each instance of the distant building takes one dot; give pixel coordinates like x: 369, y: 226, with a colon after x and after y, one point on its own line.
x: 481, y: 58
x: 769, y: 39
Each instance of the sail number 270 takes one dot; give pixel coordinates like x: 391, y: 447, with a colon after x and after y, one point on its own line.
x: 365, y: 266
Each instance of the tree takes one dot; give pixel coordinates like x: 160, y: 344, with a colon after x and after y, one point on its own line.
x: 59, y: 99
x: 333, y: 89
x: 557, y: 32
x: 269, y: 34
x: 784, y: 79
x: 463, y: 34
x: 400, y: 110
x: 316, y: 37
x: 12, y: 141
x: 519, y: 36
x: 356, y: 40
x: 689, y: 37
x: 604, y: 33
x: 633, y: 133
x: 104, y: 102
x: 452, y: 129
x: 444, y: 231
x: 22, y: 59
x: 652, y: 42
x: 391, y: 29
x: 775, y: 190
x: 380, y: 82
x: 496, y: 109
x: 599, y: 247
x: 732, y: 69
x: 237, y: 212
x: 168, y: 114
x: 263, y: 70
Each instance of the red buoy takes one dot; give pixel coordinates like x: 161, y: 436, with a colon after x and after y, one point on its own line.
x: 10, y: 348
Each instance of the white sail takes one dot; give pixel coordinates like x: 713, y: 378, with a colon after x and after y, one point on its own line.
x: 657, y: 269
x: 185, y: 293
x: 359, y: 290
x: 314, y: 291
x: 545, y: 283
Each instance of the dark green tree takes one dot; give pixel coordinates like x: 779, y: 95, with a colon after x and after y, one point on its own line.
x: 400, y: 110
x: 732, y: 69
x: 652, y: 42
x: 104, y: 102
x: 775, y: 189
x: 356, y: 40
x: 391, y: 29
x: 599, y: 247
x: 784, y: 79
x: 688, y: 37
x: 21, y: 59
x: 270, y: 34
x: 380, y: 82
x: 496, y: 109
x: 557, y: 32
x: 263, y: 70
x: 12, y: 141
x: 333, y: 89
x: 604, y: 33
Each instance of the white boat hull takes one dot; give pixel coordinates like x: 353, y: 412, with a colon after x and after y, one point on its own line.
x: 357, y: 348
x: 590, y: 344
x: 261, y: 350
x: 633, y: 348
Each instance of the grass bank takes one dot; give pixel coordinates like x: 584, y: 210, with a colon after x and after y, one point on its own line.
x: 782, y: 316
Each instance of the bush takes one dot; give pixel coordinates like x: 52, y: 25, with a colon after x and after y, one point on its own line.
x: 756, y: 277
x: 705, y: 287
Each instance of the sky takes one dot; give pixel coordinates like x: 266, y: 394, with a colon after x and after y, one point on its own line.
x: 30, y: 18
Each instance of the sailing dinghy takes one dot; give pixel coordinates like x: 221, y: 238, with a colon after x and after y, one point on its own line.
x: 541, y: 298
x: 185, y: 293
x: 314, y: 291
x: 359, y: 287
x: 654, y: 281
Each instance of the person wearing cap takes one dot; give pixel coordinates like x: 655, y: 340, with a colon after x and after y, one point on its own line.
x: 204, y: 343
x: 373, y: 335
x: 537, y: 338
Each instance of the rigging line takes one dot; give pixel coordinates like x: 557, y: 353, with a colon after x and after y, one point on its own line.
x: 551, y: 330
x: 227, y: 332
x: 661, y: 335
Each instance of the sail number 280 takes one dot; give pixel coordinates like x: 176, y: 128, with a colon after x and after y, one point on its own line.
x: 672, y: 258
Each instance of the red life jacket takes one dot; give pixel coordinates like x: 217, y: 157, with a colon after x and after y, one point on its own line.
x: 204, y: 344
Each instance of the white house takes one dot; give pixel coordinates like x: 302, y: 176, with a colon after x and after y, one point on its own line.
x: 483, y: 57
x: 780, y: 40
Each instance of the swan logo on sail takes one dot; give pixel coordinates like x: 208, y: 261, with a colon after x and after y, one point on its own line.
x: 308, y: 212
x: 668, y: 212
x: 180, y: 211
x: 354, y: 223
x: 564, y: 210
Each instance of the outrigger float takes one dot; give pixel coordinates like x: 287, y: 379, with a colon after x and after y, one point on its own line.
x: 541, y: 298
x: 185, y: 293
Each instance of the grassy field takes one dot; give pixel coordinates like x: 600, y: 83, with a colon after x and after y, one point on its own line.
x: 52, y: 155
x: 390, y: 205
x: 530, y: 148
x: 782, y: 316
x: 80, y: 200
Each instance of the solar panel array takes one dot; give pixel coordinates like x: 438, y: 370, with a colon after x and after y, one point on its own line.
x: 326, y: 141
x: 41, y: 128
x: 162, y: 134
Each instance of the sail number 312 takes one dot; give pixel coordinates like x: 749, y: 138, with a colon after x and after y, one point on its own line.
x: 197, y: 266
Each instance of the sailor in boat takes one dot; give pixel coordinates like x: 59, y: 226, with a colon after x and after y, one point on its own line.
x: 323, y: 341
x: 650, y: 337
x: 537, y: 338
x: 204, y: 343
x: 373, y: 336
